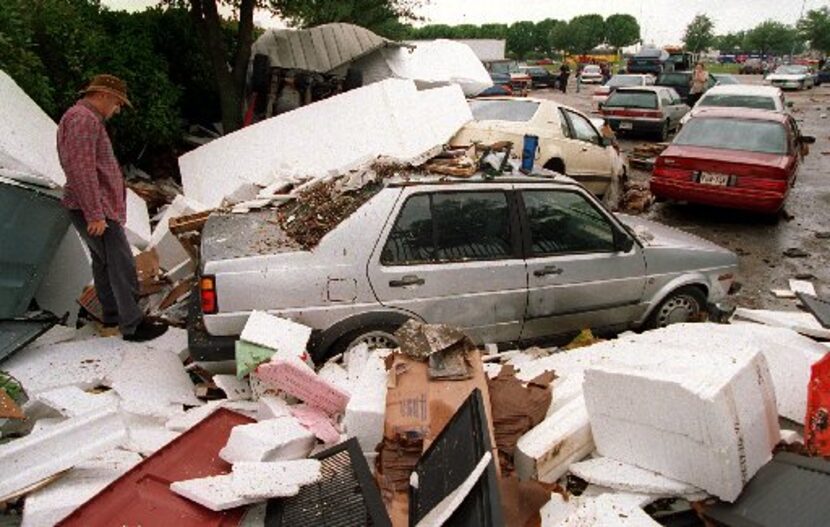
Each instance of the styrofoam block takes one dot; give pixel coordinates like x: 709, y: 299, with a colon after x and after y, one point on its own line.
x: 388, y: 114
x: 547, y: 450
x: 137, y: 228
x: 68, y: 273
x: 355, y: 360
x: 441, y: 513
x: 35, y: 457
x: 145, y: 436
x: 46, y: 423
x: 234, y: 388
x: 271, y: 407
x: 336, y: 375
x: 802, y: 286
x: 317, y: 422
x: 729, y: 423
x: 804, y: 323
x: 297, y: 379
x: 269, y: 440
x: 51, y: 504
x: 170, y: 252
x: 366, y: 411
x: 180, y: 272
x: 622, y: 476
x: 607, y: 511
x: 556, y: 510
x: 192, y: 417
x: 276, y: 479
x: 71, y: 401
x: 791, y: 436
x: 214, y: 492
x: 27, y: 135
x: 279, y: 334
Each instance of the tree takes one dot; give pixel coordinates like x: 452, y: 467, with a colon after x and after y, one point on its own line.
x: 586, y: 33
x: 730, y: 41
x: 520, y: 39
x: 815, y: 27
x: 772, y: 37
x: 498, y: 31
x: 541, y: 35
x: 18, y: 56
x: 559, y: 36
x: 621, y: 31
x: 699, y: 35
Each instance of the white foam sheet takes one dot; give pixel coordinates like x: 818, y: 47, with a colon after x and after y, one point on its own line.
x: 27, y: 135
x: 235, y: 389
x: 678, y: 408
x: 193, y: 416
x: 51, y: 504
x: 804, y: 323
x: 279, y: 334
x: 170, y: 251
x: 629, y: 478
x: 31, y: 459
x: 274, y: 479
x: 271, y: 407
x: 283, y: 438
x: 71, y: 401
x: 366, y: 410
x: 389, y: 118
x: 439, y: 62
x: 68, y: 273
x: 146, y: 434
x: 137, y: 228
x: 606, y: 510
x: 214, y: 492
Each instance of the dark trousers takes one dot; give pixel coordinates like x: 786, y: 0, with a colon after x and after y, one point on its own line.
x: 563, y: 82
x: 113, y: 269
x: 693, y: 98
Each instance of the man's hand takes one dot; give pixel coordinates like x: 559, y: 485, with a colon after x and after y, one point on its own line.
x: 96, y: 228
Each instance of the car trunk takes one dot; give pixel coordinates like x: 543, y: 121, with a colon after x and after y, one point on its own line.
x: 746, y: 169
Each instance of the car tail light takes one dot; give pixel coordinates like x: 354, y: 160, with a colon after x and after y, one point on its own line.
x: 775, y: 185
x: 207, y: 285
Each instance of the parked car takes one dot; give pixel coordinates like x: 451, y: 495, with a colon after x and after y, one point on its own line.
x: 540, y: 77
x: 681, y: 60
x: 619, y: 81
x: 497, y: 90
x: 680, y: 81
x: 568, y: 142
x: 510, y: 259
x: 823, y: 75
x: 724, y: 79
x: 791, y: 76
x: 732, y: 157
x: 651, y: 109
x: 751, y: 67
x: 739, y: 96
x: 649, y: 60
x: 591, y: 74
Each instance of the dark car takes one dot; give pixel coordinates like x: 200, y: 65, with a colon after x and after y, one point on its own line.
x: 649, y: 60
x: 681, y: 82
x: 540, y: 77
x: 650, y: 109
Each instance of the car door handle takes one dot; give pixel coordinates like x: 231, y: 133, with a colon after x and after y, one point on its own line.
x: 409, y: 279
x: 548, y: 269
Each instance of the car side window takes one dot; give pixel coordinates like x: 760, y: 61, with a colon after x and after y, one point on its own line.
x: 666, y: 99
x: 583, y: 129
x: 563, y: 122
x: 565, y: 222
x: 711, y: 81
x: 450, y: 227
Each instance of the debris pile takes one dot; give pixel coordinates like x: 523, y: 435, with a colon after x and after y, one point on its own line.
x: 644, y: 155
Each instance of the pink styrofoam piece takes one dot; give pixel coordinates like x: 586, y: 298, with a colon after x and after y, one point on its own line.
x: 297, y: 379
x: 317, y: 421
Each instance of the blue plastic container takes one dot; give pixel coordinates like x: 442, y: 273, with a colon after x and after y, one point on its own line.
x: 531, y: 142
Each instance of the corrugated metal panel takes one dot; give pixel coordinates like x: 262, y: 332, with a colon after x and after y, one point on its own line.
x: 321, y: 49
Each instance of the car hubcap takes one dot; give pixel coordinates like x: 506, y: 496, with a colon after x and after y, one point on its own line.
x: 678, y: 309
x: 375, y: 340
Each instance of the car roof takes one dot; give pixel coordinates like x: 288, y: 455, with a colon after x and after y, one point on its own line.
x: 741, y: 113
x: 654, y: 89
x: 538, y: 176
x: 745, y: 89
x: 532, y: 99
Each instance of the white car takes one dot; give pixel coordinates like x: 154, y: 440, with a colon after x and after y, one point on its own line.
x: 619, y: 81
x: 791, y: 76
x: 591, y: 74
x: 740, y: 96
x: 569, y: 142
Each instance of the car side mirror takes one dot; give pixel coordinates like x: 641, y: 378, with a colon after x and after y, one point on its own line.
x: 622, y: 242
x: 807, y: 139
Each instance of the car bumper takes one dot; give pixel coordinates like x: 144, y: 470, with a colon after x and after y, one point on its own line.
x: 637, y: 124
x: 784, y: 85
x: 591, y: 80
x: 203, y: 346
x: 766, y: 202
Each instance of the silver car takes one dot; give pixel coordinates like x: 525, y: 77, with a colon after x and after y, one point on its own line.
x: 510, y: 259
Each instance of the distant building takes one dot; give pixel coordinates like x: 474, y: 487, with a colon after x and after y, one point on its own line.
x: 486, y: 49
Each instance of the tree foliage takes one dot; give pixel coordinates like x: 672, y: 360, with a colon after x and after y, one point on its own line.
x: 774, y: 37
x: 384, y: 17
x: 815, y: 27
x: 521, y: 39
x: 730, y: 42
x: 699, y: 34
x: 621, y: 31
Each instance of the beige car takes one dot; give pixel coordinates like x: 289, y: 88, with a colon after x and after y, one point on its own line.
x: 569, y: 143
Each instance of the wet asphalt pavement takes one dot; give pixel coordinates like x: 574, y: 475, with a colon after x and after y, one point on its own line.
x: 759, y: 241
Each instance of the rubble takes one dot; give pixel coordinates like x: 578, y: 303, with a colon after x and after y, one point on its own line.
x: 268, y: 440
x: 297, y: 379
x: 172, y: 254
x: 71, y: 401
x: 275, y: 333
x: 621, y: 476
x: 234, y: 388
x: 804, y: 323
x: 366, y: 410
x: 275, y: 479
x: 214, y: 492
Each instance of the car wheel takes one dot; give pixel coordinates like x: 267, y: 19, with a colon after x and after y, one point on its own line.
x: 664, y: 132
x: 556, y: 165
x: 375, y: 337
x: 683, y: 305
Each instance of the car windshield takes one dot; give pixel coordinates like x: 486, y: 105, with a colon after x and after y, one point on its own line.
x: 633, y: 99
x: 536, y: 71
x: 673, y: 79
x: 618, y: 81
x: 791, y: 70
x: 591, y: 69
x: 517, y: 111
x: 738, y: 101
x: 726, y: 79
x: 734, y: 134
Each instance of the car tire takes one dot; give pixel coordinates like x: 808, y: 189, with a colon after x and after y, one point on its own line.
x: 682, y: 305
x: 664, y: 132
x: 556, y: 164
x: 381, y: 336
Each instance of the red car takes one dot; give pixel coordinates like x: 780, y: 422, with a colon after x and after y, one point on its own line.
x: 732, y: 157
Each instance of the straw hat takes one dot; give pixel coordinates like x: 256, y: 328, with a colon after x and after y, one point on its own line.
x: 109, y: 84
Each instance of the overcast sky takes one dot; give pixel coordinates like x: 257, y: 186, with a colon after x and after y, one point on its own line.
x: 662, y: 21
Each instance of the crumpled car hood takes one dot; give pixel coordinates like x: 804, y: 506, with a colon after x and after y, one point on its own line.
x: 653, y: 234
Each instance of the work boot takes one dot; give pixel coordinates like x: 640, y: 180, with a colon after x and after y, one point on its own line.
x: 146, y: 330
x: 107, y: 330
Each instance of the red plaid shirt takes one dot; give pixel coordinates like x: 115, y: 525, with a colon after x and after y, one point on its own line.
x: 94, y: 183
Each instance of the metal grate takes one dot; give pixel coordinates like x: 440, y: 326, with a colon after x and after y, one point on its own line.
x: 345, y: 496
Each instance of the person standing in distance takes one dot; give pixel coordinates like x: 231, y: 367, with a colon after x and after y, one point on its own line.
x: 95, y: 194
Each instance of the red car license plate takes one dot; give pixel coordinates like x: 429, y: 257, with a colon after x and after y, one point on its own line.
x: 709, y: 178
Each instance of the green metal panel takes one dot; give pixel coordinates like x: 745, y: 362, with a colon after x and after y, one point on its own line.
x: 32, y: 224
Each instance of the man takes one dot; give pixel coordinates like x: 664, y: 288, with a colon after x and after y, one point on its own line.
x: 95, y: 195
x: 564, y: 73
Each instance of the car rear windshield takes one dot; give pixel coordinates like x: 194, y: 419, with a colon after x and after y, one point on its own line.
x: 738, y: 101
x: 791, y: 70
x: 673, y: 79
x: 633, y: 99
x: 734, y: 134
x: 517, y: 111
x: 619, y: 81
